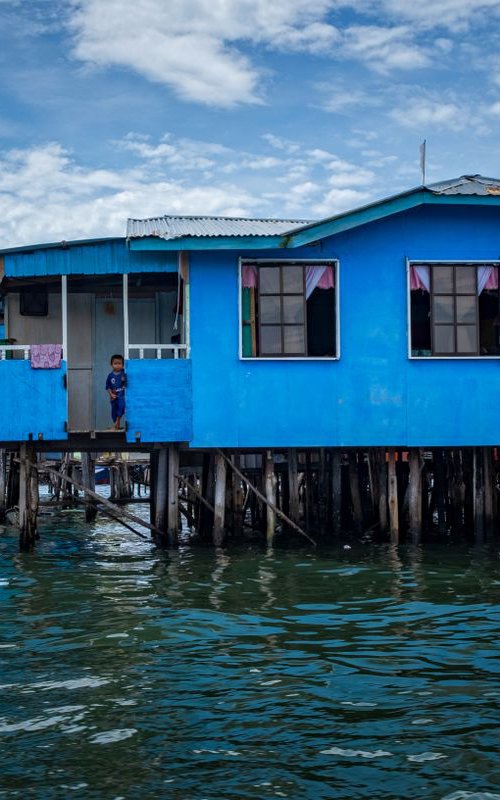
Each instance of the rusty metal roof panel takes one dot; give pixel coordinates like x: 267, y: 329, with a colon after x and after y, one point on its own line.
x: 467, y: 185
x: 177, y: 227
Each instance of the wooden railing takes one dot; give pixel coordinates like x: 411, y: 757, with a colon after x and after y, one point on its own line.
x: 14, y: 348
x: 177, y: 350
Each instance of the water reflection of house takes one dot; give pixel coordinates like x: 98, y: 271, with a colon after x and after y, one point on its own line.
x: 357, y: 330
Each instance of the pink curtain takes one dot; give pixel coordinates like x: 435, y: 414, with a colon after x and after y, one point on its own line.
x: 249, y: 276
x: 320, y: 277
x: 420, y: 278
x: 487, y: 278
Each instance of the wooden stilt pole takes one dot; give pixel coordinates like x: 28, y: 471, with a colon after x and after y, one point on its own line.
x: 478, y: 496
x: 88, y: 480
x: 160, y: 492
x: 152, y: 472
x: 440, y: 488
x: 101, y: 501
x: 205, y: 510
x: 28, y: 498
x: 415, y: 496
x: 393, y: 498
x: 270, y: 485
x: 173, y: 493
x: 357, y: 511
x: 3, y: 483
x: 264, y: 500
x: 336, y: 483
x: 488, y: 490
x: 293, y: 485
x: 219, y: 500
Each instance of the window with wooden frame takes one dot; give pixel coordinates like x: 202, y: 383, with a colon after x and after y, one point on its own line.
x: 288, y: 309
x: 454, y: 310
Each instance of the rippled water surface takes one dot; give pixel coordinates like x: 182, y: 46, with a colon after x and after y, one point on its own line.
x: 132, y: 673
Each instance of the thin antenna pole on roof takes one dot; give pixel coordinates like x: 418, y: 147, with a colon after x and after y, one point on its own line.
x: 423, y: 154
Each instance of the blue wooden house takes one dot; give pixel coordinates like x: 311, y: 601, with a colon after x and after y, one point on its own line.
x: 378, y: 326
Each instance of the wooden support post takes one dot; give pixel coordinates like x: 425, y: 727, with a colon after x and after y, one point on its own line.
x: 3, y: 483
x: 270, y: 484
x: 488, y: 490
x: 293, y: 485
x: 440, y: 493
x: 13, y: 482
x: 88, y: 480
x: 66, y: 488
x: 160, y: 492
x: 307, y: 489
x: 101, y: 501
x: 393, y: 498
x: 219, y: 500
x: 205, y: 514
x: 173, y: 493
x: 28, y: 498
x: 336, y: 482
x: 415, y: 495
x: 357, y: 511
x: 457, y: 489
x: 261, y: 497
x: 478, y: 494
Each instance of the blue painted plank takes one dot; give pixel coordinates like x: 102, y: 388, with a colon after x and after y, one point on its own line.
x: 159, y: 400
x: 32, y: 401
x: 206, y: 243
x: 103, y: 258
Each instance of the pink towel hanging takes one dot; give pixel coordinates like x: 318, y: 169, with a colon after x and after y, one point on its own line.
x: 46, y: 356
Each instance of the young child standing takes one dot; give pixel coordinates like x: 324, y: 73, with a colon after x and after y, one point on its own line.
x: 115, y: 386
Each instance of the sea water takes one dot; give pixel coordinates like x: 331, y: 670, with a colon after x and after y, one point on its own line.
x: 131, y: 672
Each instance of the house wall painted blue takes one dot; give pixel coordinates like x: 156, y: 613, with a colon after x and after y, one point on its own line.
x: 33, y: 402
x: 373, y: 395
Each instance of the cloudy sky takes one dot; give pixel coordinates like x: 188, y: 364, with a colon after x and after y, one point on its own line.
x: 274, y: 108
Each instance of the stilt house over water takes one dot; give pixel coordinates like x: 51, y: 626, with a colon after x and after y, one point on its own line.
x: 374, y: 328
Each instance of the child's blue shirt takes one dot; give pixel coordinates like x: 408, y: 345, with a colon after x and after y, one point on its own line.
x: 116, y: 382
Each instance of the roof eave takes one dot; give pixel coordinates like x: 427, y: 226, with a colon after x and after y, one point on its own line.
x: 380, y: 210
x: 207, y: 243
x: 63, y: 245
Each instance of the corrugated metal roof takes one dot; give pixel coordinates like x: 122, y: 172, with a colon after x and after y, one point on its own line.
x: 172, y: 227
x: 467, y: 184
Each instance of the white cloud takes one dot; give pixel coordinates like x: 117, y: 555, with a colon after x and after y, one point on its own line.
x: 456, y: 15
x: 279, y: 143
x: 337, y: 200
x: 190, y: 45
x: 46, y: 194
x: 431, y: 113
x: 384, y: 48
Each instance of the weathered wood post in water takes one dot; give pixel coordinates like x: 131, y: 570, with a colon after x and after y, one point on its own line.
x: 88, y: 480
x: 270, y: 485
x: 28, y: 497
x: 478, y: 493
x: 336, y: 489
x: 393, y: 498
x: 219, y: 500
x: 293, y: 485
x: 3, y: 483
x: 415, y: 495
x: 159, y: 489
x: 173, y: 493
